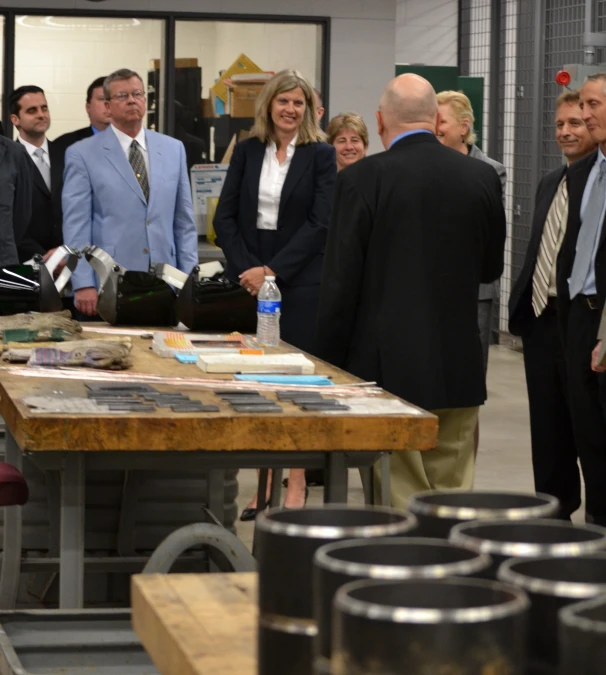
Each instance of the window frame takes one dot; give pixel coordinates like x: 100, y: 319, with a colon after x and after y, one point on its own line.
x: 168, y: 48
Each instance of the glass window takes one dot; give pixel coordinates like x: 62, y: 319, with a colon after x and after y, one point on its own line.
x: 205, y: 50
x: 64, y: 55
x: 208, y: 115
x: 1, y: 64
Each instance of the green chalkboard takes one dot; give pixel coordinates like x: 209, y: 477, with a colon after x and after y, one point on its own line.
x: 445, y: 78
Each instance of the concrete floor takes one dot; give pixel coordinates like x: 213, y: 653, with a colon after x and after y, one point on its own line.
x: 504, y: 456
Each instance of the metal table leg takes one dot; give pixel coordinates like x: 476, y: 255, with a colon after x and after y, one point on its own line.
x: 71, y: 564
x: 385, y: 463
x: 216, y: 494
x: 11, y: 557
x: 335, y: 482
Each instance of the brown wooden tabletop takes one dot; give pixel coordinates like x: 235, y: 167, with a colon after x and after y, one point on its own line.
x: 197, y: 624
x: 163, y: 430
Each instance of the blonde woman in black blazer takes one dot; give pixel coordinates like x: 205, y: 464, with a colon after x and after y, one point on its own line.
x: 273, y: 215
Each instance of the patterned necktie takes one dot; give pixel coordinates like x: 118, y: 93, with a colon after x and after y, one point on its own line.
x: 135, y: 157
x: 548, y: 248
x: 590, y: 227
x: 43, y: 167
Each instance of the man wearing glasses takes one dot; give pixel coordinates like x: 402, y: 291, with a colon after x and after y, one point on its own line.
x: 127, y: 191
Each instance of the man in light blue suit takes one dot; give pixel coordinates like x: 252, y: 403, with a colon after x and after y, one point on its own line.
x: 126, y: 190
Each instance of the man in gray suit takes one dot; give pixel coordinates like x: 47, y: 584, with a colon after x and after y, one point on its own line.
x: 16, y: 182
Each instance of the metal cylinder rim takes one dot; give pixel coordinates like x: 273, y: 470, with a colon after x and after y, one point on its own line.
x: 408, y: 522
x: 324, y: 560
x: 288, y: 624
x: 418, y: 506
x: 460, y: 536
x: 558, y: 589
x: 518, y: 603
x: 569, y: 616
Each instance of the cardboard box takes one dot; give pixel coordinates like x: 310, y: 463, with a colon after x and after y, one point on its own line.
x: 155, y: 64
x: 208, y: 109
x: 241, y: 65
x: 242, y: 99
x: 206, y: 181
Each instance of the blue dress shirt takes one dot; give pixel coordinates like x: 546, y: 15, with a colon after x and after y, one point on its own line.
x: 589, y: 287
x: 408, y: 133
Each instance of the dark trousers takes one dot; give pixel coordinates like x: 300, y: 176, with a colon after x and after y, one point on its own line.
x: 554, y: 453
x: 587, y: 392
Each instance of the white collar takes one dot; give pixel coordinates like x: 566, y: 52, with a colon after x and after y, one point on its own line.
x: 126, y: 140
x: 290, y: 148
x: 32, y: 148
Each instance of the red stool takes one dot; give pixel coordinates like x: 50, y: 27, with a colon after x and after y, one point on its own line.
x: 13, y: 488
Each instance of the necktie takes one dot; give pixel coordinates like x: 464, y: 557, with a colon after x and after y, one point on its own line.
x: 43, y: 167
x: 135, y: 157
x: 588, y: 233
x: 548, y: 248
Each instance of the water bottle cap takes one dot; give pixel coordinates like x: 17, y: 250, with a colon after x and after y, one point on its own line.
x: 270, y: 278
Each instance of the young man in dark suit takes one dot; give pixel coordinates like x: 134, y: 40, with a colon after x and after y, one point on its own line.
x: 16, y: 180
x: 533, y: 315
x: 413, y: 233
x: 31, y: 117
x: 581, y: 284
x: 97, y: 112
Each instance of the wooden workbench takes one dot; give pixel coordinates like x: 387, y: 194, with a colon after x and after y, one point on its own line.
x: 164, y: 430
x: 75, y: 444
x: 197, y: 624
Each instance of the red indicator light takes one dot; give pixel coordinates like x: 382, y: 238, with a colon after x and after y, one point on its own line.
x: 563, y: 78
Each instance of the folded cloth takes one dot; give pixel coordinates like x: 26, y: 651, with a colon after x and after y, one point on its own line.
x: 21, y: 353
x: 112, y: 356
x: 44, y: 324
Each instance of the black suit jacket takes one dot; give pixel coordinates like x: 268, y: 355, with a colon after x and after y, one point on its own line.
x: 576, y: 179
x: 72, y: 137
x: 413, y: 233
x: 16, y: 180
x: 521, y: 314
x: 44, y: 231
x: 303, y: 218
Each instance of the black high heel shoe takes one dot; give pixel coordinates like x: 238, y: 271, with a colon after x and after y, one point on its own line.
x: 250, y: 513
x: 288, y: 508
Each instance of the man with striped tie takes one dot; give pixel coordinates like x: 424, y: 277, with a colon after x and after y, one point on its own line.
x: 533, y: 314
x: 581, y: 291
x: 127, y: 191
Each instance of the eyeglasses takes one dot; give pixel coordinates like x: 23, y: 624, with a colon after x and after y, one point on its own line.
x: 138, y: 95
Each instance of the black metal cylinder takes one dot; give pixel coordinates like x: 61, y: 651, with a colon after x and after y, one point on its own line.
x: 438, y: 512
x: 417, y: 627
x: 553, y: 583
x: 287, y: 541
x: 582, y: 634
x: 505, y: 539
x: 396, y: 559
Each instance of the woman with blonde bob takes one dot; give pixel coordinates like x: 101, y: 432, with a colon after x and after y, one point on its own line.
x: 455, y: 130
x: 273, y: 215
x: 348, y: 134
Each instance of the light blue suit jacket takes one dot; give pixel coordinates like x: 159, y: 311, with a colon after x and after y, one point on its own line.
x: 103, y: 204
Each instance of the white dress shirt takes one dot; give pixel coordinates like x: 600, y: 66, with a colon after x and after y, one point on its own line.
x: 273, y: 175
x: 126, y: 141
x: 32, y: 148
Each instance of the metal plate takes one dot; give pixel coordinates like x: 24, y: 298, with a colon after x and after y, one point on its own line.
x: 78, y: 642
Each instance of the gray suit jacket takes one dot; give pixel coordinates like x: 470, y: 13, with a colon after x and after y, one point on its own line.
x: 490, y: 291
x: 16, y: 180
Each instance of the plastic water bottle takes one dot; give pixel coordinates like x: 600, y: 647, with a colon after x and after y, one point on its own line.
x: 269, y: 305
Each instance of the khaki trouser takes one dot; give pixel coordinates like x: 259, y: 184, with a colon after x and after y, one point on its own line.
x: 449, y: 466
